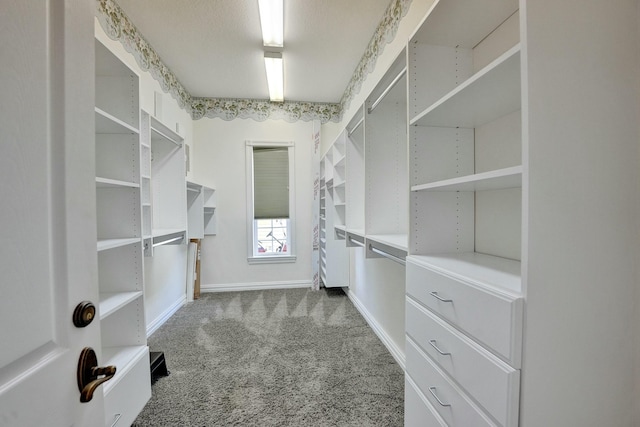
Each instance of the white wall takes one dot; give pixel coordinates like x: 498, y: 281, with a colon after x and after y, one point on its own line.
x: 220, y: 164
x: 165, y: 272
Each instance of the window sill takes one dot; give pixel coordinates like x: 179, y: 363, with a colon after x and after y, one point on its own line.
x: 275, y: 259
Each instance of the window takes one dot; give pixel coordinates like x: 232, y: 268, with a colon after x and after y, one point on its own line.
x: 270, y: 195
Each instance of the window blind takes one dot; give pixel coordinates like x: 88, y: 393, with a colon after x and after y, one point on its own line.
x: 270, y: 182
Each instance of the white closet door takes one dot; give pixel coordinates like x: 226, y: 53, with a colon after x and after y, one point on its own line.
x: 47, y: 217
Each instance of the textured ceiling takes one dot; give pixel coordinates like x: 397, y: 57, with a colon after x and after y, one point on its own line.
x: 214, y: 47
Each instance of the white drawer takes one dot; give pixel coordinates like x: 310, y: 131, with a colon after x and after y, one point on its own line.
x: 491, y: 317
x: 490, y: 381
x: 455, y: 408
x: 125, y: 399
x: 418, y: 412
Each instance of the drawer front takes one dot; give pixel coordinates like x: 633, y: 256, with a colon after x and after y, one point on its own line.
x: 491, y: 318
x: 418, y: 412
x: 489, y: 380
x: 455, y: 408
x: 127, y: 398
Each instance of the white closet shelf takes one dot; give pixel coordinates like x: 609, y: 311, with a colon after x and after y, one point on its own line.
x: 340, y: 163
x: 161, y: 132
x: 463, y: 23
x: 161, y: 232
x: 104, y: 244
x: 123, y: 358
x: 397, y: 241
x: 356, y: 231
x: 108, y: 124
x: 112, y: 301
x: 340, y: 227
x: 114, y: 183
x: 491, y: 93
x: 209, y: 209
x: 487, y: 271
x: 492, y: 180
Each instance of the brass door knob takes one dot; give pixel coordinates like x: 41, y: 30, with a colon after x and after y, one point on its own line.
x: 84, y: 314
x: 89, y: 373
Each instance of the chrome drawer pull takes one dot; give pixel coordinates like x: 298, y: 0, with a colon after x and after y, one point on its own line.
x: 433, y: 344
x: 432, y: 390
x: 438, y: 297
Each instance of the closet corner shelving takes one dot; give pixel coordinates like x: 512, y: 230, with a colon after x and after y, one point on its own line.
x: 323, y: 223
x: 210, y: 206
x: 465, y: 179
x: 334, y: 261
x: 386, y: 181
x: 201, y: 210
x: 119, y: 200
x: 163, y: 215
x: 338, y: 186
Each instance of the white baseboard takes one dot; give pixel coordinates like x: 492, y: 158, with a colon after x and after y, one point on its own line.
x: 255, y: 286
x: 384, y: 337
x: 165, y: 315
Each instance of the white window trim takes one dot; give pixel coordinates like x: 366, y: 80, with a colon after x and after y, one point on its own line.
x: 252, y: 256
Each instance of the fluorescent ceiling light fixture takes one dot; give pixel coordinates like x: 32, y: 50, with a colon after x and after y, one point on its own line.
x: 272, y: 21
x: 275, y: 75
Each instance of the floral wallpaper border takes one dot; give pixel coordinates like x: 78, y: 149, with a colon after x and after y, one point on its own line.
x: 385, y: 33
x: 118, y: 26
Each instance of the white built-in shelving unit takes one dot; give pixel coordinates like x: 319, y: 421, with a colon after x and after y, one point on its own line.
x: 165, y: 194
x: 339, y: 185
x: 334, y: 261
x: 386, y: 181
x: 464, y: 309
x: 201, y: 210
x: 209, y: 207
x: 322, y: 217
x: 355, y: 177
x: 500, y: 165
x: 119, y: 200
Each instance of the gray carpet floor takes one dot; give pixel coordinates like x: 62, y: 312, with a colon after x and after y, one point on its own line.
x: 291, y: 357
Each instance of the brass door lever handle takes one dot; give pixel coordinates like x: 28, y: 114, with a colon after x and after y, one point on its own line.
x: 88, y: 373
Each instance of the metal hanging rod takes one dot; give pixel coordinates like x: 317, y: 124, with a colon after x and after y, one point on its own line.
x: 353, y: 129
x: 166, y: 136
x: 166, y: 242
x: 387, y: 255
x: 388, y: 89
x: 354, y: 241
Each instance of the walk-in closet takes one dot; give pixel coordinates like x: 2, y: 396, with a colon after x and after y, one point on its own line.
x: 383, y: 213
